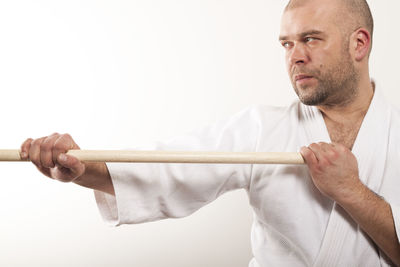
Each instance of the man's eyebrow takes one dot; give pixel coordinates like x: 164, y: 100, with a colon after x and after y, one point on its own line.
x: 302, y: 35
x: 312, y: 32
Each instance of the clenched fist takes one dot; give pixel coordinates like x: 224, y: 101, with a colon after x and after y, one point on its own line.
x: 333, y: 169
x: 48, y: 154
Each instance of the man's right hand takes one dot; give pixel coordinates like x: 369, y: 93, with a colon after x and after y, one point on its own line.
x: 48, y: 154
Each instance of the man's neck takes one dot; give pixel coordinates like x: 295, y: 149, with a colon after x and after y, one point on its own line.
x: 353, y: 111
x: 344, y: 122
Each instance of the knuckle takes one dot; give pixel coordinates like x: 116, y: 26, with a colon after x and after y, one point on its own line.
x: 66, y: 136
x: 314, y: 147
x: 29, y: 140
x: 68, y: 141
x: 46, y: 145
x: 25, y: 145
x: 304, y: 151
x: 36, y: 142
x: 59, y: 145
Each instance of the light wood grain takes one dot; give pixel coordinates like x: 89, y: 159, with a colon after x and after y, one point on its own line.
x: 174, y: 156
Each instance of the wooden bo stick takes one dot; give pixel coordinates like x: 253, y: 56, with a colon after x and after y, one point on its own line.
x: 174, y: 156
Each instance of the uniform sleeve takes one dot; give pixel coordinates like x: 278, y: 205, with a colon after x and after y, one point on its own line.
x: 396, y: 218
x: 147, y: 192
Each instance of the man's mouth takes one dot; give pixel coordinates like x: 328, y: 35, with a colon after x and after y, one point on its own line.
x: 302, y: 77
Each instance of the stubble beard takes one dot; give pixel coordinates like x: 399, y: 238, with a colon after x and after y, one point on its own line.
x: 336, y: 86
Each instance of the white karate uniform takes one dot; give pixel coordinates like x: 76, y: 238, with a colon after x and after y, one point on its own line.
x: 294, y: 224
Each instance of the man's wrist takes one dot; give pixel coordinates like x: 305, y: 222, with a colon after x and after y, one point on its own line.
x: 353, y: 194
x: 96, y: 176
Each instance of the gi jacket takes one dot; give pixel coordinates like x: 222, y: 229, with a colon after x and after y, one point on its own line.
x: 294, y: 224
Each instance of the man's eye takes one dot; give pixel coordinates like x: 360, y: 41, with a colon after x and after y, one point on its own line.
x: 309, y: 39
x: 286, y: 44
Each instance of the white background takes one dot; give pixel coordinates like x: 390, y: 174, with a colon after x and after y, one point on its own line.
x: 118, y: 74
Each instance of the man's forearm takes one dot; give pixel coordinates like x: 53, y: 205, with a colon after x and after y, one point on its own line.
x: 96, y: 176
x: 374, y: 215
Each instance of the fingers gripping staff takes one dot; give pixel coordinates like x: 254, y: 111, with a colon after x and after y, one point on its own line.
x: 333, y: 168
x: 48, y: 155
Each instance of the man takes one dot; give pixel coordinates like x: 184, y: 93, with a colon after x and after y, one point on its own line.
x: 327, y: 213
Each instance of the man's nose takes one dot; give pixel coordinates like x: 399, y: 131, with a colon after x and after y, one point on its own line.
x: 298, y: 55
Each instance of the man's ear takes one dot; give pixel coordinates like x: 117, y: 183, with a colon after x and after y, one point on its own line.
x: 361, y: 44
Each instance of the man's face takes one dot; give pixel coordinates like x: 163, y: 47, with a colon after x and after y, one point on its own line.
x: 317, y: 54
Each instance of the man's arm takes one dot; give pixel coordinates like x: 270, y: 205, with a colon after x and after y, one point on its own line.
x: 48, y: 154
x: 334, y: 171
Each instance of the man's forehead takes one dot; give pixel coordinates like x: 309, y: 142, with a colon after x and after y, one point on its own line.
x: 305, y: 19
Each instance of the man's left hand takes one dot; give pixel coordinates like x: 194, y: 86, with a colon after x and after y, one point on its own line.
x: 333, y: 169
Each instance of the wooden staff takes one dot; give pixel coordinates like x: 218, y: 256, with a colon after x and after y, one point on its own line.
x: 174, y: 156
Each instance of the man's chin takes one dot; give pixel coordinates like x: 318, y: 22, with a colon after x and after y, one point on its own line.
x: 312, y: 99
x: 309, y: 102
x: 308, y: 95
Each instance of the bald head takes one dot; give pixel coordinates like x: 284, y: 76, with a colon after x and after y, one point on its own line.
x: 351, y: 14
x: 327, y: 45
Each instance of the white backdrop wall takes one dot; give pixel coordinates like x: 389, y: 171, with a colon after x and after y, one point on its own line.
x: 119, y: 74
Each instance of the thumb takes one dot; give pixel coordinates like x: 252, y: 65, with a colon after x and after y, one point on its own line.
x: 75, y: 167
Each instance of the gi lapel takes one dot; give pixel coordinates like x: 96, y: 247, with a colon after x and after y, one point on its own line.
x: 344, y: 244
